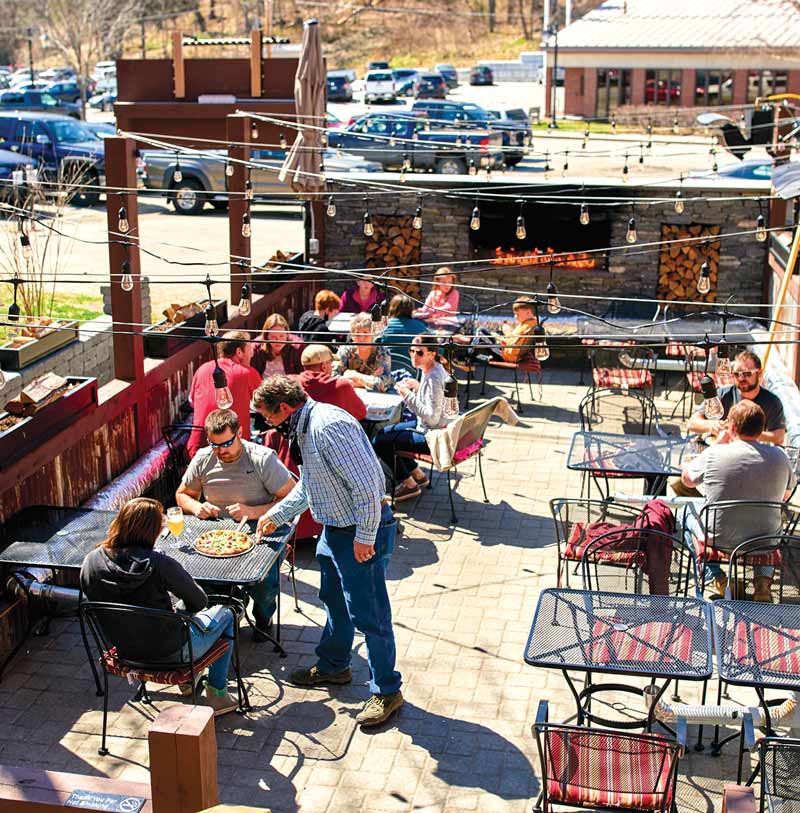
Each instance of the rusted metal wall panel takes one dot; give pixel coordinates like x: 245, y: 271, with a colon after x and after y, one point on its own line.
x: 145, y: 80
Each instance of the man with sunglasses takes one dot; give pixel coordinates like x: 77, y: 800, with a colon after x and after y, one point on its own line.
x: 747, y: 374
x: 235, y: 478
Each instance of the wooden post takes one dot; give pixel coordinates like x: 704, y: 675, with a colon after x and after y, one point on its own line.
x: 239, y: 130
x: 177, y: 65
x: 269, y: 29
x: 778, y: 305
x: 255, y: 63
x: 183, y: 760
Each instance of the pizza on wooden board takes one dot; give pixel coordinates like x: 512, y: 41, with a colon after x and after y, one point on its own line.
x: 223, y: 543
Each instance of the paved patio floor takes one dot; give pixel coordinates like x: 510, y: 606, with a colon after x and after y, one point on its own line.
x: 463, y: 600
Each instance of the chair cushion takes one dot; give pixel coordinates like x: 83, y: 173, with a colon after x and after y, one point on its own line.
x: 622, y: 377
x: 171, y: 677
x: 709, y: 553
x: 624, y: 551
x: 774, y: 650
x: 659, y: 640
x: 592, y: 768
x: 459, y: 457
x: 719, y: 379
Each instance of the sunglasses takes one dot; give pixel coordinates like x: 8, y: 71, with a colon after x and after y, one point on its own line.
x: 416, y: 352
x: 745, y: 374
x: 226, y: 444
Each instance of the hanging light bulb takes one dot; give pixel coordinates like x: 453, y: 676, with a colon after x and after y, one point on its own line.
x: 761, y: 229
x: 583, y: 144
x: 475, y: 220
x: 323, y: 139
x: 369, y: 230
x: 177, y: 175
x: 566, y: 163
x: 392, y: 140
x: 458, y: 140
x: 473, y: 170
x: 331, y: 210
x: 712, y: 406
x: 211, y: 327
x: 229, y: 169
x: 339, y: 152
x: 406, y: 162
x: 247, y: 230
x: 282, y: 141
x: 723, y: 360
x: 253, y: 128
x: 25, y: 244
x: 679, y: 203
x: 223, y: 397
x: 613, y: 125
x: 402, y: 174
x: 641, y: 154
x: 122, y: 220
x: 584, y: 215
x: 586, y: 132
x: 553, y: 303
x: 467, y: 142
x: 521, y: 230
x: 248, y: 189
x: 540, y: 349
x: 704, y: 280
x: 675, y: 127
x: 245, y: 303
x: 488, y: 174
x: 546, y: 164
x: 631, y: 235
x: 625, y: 169
x: 416, y: 222
x: 714, y: 165
x: 450, y: 397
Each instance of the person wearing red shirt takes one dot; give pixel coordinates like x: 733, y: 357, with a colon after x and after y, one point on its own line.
x: 318, y: 383
x: 236, y: 350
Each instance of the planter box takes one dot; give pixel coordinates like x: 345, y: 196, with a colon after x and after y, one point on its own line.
x: 15, y: 358
x: 28, y: 433
x: 266, y: 281
x: 161, y: 344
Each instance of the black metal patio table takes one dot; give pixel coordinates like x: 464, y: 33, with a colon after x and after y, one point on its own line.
x: 658, y: 637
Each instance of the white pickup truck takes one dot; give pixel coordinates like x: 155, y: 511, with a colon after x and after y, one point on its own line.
x: 379, y: 86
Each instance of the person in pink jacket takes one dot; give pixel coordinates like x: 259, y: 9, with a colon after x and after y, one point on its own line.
x: 441, y: 305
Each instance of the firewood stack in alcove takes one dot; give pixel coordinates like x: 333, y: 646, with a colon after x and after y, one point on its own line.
x: 396, y: 243
x: 679, y: 262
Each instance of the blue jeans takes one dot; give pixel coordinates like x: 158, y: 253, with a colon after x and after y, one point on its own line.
x: 217, y: 622
x: 355, y: 597
x: 401, y: 437
x: 265, y: 593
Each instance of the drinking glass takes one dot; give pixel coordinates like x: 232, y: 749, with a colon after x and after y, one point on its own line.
x: 175, y: 522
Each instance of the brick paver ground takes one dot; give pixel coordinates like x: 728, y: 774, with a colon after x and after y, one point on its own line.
x: 463, y: 600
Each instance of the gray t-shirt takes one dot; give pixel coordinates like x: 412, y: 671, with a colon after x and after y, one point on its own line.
x: 252, y: 480
x: 742, y: 470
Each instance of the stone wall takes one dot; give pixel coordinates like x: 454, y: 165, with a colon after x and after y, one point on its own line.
x: 631, y: 271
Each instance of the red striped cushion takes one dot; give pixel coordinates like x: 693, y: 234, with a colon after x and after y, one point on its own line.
x: 113, y: 666
x: 712, y: 554
x: 622, y: 551
x: 620, y: 377
x: 719, y: 379
x: 605, y: 770
x: 655, y: 641
x: 774, y: 650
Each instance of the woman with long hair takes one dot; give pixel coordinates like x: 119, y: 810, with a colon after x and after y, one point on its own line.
x: 281, y: 350
x: 362, y: 362
x: 125, y: 569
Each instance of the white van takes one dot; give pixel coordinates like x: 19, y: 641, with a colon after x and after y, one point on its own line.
x: 379, y: 86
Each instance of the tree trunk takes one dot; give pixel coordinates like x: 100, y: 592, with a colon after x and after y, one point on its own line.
x: 491, y: 14
x: 523, y: 20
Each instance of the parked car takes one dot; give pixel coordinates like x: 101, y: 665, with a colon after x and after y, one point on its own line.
x: 430, y: 86
x: 753, y: 169
x: 10, y: 161
x: 481, y: 75
x: 65, y: 149
x: 63, y: 74
x: 339, y: 88
x: 106, y: 69
x: 204, y: 180
x: 379, y: 86
x: 404, y: 79
x: 102, y: 129
x: 37, y: 100
x: 448, y: 72
x: 468, y: 116
x: 64, y: 91
x: 377, y: 66
x: 103, y: 101
x: 440, y: 150
x: 516, y: 121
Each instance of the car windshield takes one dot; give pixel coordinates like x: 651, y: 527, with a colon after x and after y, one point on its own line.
x: 431, y: 77
x: 379, y: 77
x: 517, y: 114
x: 72, y: 132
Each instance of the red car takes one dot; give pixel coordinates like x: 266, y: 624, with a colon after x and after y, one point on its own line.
x: 481, y: 75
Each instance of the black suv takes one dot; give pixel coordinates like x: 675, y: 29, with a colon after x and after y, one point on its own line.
x: 339, y: 89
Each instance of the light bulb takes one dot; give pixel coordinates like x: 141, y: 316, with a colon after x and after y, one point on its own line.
x: 553, y: 304
x: 540, y: 349
x: 392, y: 141
x: 450, y: 397
x: 675, y: 127
x: 13, y: 312
x: 245, y: 304
x: 467, y: 142
x: 723, y: 361
x: 417, y: 221
x: 761, y: 229
x: 631, y: 235
x: 323, y: 139
x: 403, y: 174
x: 584, y: 216
x: 406, y: 162
x: 126, y: 281
x: 475, y: 220
x: 473, y: 170
x: 712, y: 406
x: 211, y: 327
x: 25, y: 243
x: 679, y: 203
x: 458, y: 141
x: 614, y: 126
x: 122, y: 220
x: 331, y: 210
x: 247, y: 230
x: 177, y: 175
x: 248, y: 189
x: 488, y: 174
x: 282, y: 139
x: 521, y: 232
x: 254, y: 130
x: 223, y: 397
x: 704, y: 280
x: 625, y: 171
x: 369, y: 230
x: 229, y: 169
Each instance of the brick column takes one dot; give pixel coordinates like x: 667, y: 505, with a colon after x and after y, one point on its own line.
x: 687, y: 87
x: 589, y: 91
x: 740, y: 86
x: 637, y: 86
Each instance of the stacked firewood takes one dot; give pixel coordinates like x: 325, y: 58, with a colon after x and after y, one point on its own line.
x: 396, y: 244
x: 679, y: 262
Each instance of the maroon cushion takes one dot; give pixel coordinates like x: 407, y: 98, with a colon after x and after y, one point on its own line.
x: 114, y: 666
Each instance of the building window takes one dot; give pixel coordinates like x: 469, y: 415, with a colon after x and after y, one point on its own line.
x: 713, y: 88
x: 613, y: 91
x: 766, y: 83
x: 662, y: 87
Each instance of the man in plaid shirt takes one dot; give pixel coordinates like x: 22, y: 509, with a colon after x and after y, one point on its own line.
x: 342, y: 483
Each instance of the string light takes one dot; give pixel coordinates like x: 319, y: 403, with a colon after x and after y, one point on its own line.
x: 714, y: 165
x: 761, y: 229
x: 229, y: 169
x: 553, y: 302
x: 679, y: 205
x: 488, y: 173
x: 177, y: 175
x: 323, y: 139
x: 126, y: 281
x: 584, y: 215
x: 369, y: 230
x: 675, y: 127
x: 630, y: 235
x: 472, y: 170
x: 521, y: 230
x: 416, y: 222
x: 475, y: 220
x: 712, y: 406
x: 211, y: 327
x: 613, y: 125
x: 223, y: 397
x: 331, y: 210
x: 723, y: 359
x: 586, y: 132
x: 625, y: 169
x: 393, y: 141
x: 25, y: 244
x: 253, y: 128
x: 247, y: 229
x: 641, y: 154
x: 704, y: 279
x: 245, y: 302
x: 248, y: 189
x: 282, y: 141
x: 566, y: 163
x: 122, y: 220
x: 540, y: 349
x: 458, y: 140
x: 546, y: 164
x: 406, y: 161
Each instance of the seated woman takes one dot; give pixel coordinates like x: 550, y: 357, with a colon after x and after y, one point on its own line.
x: 362, y: 362
x: 281, y: 350
x: 426, y: 399
x: 361, y: 297
x: 441, y: 304
x: 400, y: 330
x: 124, y: 569
x: 313, y: 325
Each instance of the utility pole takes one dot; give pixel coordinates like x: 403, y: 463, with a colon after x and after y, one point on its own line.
x: 30, y: 52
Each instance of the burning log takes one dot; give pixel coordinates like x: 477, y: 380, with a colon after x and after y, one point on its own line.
x: 574, y: 259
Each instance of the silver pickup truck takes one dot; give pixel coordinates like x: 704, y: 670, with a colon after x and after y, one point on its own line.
x: 203, y: 179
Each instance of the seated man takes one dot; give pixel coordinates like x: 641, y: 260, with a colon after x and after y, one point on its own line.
x: 740, y: 467
x: 515, y: 342
x: 236, y: 478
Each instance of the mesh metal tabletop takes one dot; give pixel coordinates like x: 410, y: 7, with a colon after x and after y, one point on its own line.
x: 646, y: 455
x: 692, y: 331
x: 758, y: 644
x: 620, y: 633
x: 44, y: 536
x: 633, y: 330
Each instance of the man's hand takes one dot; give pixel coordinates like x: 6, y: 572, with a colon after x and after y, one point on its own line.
x: 264, y: 528
x: 240, y: 512
x: 363, y: 553
x: 207, y: 510
x: 724, y: 436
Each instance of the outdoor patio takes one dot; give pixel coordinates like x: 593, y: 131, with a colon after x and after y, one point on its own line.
x: 463, y: 600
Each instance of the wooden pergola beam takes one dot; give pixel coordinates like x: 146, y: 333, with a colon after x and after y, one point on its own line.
x: 239, y: 129
x: 178, y: 68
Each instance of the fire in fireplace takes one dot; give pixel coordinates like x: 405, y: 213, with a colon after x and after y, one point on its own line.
x: 572, y: 259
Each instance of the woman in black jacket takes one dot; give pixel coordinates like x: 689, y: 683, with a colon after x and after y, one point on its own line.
x: 124, y: 569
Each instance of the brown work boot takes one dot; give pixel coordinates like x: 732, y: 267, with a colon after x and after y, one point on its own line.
x: 763, y: 589
x: 315, y: 676
x: 221, y: 703
x: 379, y: 708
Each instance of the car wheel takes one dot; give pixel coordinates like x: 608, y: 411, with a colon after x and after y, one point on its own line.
x: 451, y: 166
x: 185, y: 197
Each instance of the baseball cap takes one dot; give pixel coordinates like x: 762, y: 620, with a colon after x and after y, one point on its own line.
x: 315, y: 354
